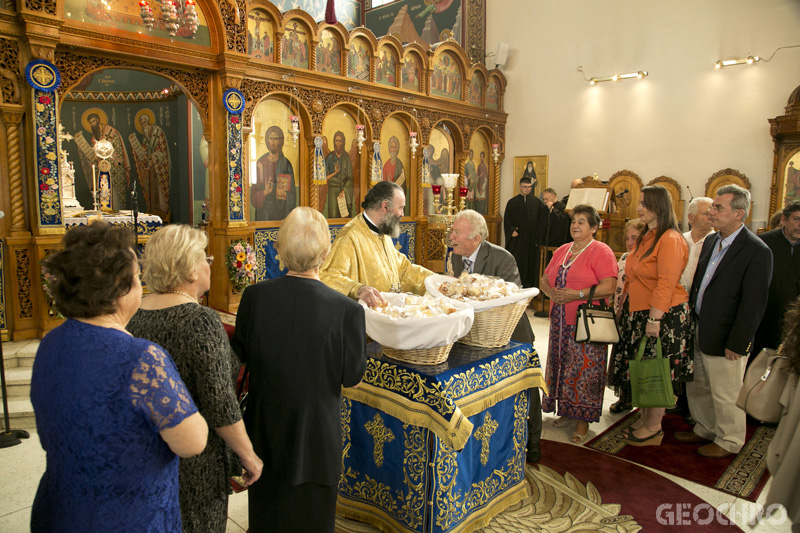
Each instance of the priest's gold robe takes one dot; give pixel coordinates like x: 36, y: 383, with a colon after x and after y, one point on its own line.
x: 360, y: 257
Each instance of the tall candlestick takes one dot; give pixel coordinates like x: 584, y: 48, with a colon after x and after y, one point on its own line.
x: 94, y: 187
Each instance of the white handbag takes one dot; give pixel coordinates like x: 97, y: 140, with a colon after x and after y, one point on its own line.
x: 596, y: 323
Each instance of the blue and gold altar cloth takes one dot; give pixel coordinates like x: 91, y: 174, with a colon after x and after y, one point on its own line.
x: 438, y: 449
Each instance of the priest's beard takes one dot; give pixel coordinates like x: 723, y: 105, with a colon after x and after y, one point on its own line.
x: 390, y: 225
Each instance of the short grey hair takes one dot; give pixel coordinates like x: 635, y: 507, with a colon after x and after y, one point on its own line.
x: 304, y: 240
x: 741, y: 197
x: 694, y: 205
x: 476, y: 223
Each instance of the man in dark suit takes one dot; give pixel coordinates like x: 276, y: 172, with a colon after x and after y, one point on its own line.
x: 785, y: 286
x: 729, y: 295
x: 524, y: 222
x: 473, y: 253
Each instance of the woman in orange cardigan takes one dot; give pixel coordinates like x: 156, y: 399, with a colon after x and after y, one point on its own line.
x: 654, y: 304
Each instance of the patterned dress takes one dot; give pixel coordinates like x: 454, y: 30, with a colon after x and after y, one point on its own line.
x: 575, y: 371
x: 195, y: 338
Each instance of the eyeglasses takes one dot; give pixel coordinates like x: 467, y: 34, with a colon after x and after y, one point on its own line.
x: 209, y: 259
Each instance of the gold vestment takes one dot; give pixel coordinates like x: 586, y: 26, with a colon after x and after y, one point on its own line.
x: 360, y: 257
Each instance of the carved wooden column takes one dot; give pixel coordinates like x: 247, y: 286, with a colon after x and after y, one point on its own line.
x: 12, y: 121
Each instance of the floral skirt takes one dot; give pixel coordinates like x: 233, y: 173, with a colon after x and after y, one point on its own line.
x: 677, y: 343
x: 575, y: 372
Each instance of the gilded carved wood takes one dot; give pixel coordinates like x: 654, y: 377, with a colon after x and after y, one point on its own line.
x: 73, y: 67
x: 9, y: 71
x: 12, y: 121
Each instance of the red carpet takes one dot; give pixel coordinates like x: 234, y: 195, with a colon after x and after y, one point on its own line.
x: 655, y: 502
x: 743, y: 475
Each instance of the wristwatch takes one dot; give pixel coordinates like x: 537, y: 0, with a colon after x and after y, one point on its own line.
x: 580, y: 293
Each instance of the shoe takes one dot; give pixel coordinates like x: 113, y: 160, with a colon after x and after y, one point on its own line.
x: 689, y: 437
x: 578, y: 438
x: 619, y: 407
x: 689, y: 420
x: 562, y: 422
x: 714, y: 451
x: 676, y: 409
x: 652, y: 440
x: 533, y: 455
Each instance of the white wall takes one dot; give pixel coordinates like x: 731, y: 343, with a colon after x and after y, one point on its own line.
x: 686, y: 120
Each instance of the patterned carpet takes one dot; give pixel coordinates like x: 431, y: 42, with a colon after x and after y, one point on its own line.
x: 743, y: 475
x: 557, y: 503
x: 578, y: 489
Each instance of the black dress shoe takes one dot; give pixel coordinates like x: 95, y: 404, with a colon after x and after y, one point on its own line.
x: 689, y: 420
x: 677, y: 409
x: 620, y: 407
x: 533, y: 455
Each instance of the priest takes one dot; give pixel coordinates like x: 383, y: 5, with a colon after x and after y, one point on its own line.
x: 524, y: 222
x: 363, y: 261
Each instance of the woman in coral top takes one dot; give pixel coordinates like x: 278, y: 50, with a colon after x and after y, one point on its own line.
x: 576, y: 370
x: 654, y: 304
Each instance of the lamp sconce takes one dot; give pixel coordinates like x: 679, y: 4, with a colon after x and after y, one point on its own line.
x: 749, y: 60
x: 413, y: 143
x: 287, y: 77
x: 616, y: 77
x: 354, y: 89
x: 496, y: 152
x: 408, y: 99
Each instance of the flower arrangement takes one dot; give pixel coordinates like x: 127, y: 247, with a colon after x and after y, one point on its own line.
x: 241, y: 261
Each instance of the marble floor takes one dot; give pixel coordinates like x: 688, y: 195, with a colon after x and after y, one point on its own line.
x: 22, y: 466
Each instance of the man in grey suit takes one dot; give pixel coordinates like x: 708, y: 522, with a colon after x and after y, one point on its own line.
x: 472, y: 252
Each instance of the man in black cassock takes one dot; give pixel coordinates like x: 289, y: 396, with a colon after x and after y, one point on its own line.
x: 557, y: 231
x: 524, y: 222
x: 785, y: 285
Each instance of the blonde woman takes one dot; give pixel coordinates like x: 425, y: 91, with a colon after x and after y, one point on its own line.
x: 302, y: 342
x: 177, y: 271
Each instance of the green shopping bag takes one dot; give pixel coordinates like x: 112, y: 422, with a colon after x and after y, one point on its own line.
x: 651, y: 383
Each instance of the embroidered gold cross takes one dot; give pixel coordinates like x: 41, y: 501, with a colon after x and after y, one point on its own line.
x: 483, y: 434
x: 380, y: 435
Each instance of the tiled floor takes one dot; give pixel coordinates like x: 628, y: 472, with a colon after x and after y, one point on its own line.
x: 23, y: 465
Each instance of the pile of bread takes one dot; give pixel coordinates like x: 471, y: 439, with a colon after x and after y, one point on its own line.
x: 415, y: 306
x: 477, y: 287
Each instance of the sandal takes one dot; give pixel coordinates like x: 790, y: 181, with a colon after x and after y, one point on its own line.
x: 652, y: 440
x: 620, y: 407
x: 562, y: 422
x: 578, y: 438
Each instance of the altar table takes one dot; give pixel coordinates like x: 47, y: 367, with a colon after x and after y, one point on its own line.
x: 147, y: 224
x: 437, y: 449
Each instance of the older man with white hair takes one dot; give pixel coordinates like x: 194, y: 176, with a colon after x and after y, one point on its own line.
x: 700, y: 228
x: 473, y: 253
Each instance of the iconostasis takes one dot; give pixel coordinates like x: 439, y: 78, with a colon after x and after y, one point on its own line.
x: 158, y: 82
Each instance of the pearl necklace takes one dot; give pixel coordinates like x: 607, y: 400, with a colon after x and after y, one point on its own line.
x: 192, y: 298
x: 566, y: 261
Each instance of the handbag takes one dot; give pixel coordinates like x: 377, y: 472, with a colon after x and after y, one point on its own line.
x: 651, y: 381
x: 596, y: 322
x: 764, y: 382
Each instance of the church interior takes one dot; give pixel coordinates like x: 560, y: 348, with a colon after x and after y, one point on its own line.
x: 226, y: 114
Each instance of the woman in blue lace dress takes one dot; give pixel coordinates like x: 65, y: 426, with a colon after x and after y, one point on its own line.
x: 112, y: 412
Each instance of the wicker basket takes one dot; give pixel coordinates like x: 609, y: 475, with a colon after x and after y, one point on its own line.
x: 492, y: 328
x: 420, y: 356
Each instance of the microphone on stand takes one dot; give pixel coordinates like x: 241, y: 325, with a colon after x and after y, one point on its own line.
x: 691, y: 196
x: 621, y: 193
x: 135, y: 201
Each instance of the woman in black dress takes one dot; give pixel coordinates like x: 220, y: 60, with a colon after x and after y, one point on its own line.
x: 178, y: 273
x: 302, y: 342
